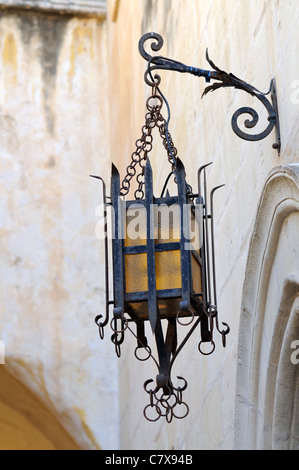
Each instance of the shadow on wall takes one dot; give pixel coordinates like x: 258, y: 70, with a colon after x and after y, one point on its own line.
x: 25, y: 423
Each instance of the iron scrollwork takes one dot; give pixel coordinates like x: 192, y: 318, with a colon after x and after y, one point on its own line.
x: 223, y: 80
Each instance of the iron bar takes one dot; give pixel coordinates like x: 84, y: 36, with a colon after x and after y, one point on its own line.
x: 102, y: 324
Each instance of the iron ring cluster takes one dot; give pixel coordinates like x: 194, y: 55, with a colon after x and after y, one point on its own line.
x: 167, y: 403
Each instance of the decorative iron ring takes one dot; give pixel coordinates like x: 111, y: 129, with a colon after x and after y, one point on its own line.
x: 166, y: 400
x: 168, y: 414
x: 184, y: 386
x: 101, y: 331
x: 100, y: 325
x: 208, y: 353
x: 171, y: 413
x: 97, y: 318
x: 167, y: 407
x: 180, y: 322
x: 151, y: 398
x: 124, y: 320
x: 224, y: 333
x: 179, y: 396
x: 187, y: 411
x: 116, y: 346
x: 147, y: 349
x: 115, y: 340
x: 158, y: 412
x: 156, y: 107
x: 146, y: 383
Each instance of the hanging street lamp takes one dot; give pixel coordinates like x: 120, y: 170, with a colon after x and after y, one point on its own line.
x: 163, y: 253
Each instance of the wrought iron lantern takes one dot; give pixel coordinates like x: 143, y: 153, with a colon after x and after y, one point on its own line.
x: 163, y: 252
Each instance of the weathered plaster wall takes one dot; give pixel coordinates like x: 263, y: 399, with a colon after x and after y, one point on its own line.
x: 53, y: 134
x: 255, y: 40
x: 72, y: 99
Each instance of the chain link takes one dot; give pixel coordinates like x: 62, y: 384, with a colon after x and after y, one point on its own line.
x: 153, y: 118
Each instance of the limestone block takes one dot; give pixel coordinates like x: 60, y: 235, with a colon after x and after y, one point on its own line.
x: 76, y: 7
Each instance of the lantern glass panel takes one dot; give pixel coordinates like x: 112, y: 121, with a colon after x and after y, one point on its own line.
x: 136, y: 264
x: 168, y: 270
x: 166, y: 230
x: 136, y: 272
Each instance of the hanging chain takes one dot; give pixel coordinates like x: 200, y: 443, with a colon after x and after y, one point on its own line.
x: 153, y: 118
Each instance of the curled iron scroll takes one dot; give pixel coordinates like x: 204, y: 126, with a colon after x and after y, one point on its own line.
x: 249, y: 124
x: 155, y: 46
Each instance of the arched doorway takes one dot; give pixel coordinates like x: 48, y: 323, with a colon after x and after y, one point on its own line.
x: 267, y: 399
x: 25, y: 423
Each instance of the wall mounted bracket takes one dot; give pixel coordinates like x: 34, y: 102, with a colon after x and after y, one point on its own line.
x: 223, y: 80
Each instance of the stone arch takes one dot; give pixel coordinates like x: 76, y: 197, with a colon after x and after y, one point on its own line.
x: 267, y: 394
x: 25, y: 423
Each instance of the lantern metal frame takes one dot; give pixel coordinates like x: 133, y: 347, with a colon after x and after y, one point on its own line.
x: 199, y: 308
x: 197, y: 305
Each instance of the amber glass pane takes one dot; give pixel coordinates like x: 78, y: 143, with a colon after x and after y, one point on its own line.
x: 196, y: 275
x: 168, y: 270
x: 136, y: 272
x: 168, y: 263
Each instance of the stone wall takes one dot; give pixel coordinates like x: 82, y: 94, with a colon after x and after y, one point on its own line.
x: 53, y: 134
x: 256, y: 41
x: 72, y: 100
x: 87, y: 8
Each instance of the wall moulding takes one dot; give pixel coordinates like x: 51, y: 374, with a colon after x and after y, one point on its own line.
x: 267, y: 414
x: 87, y: 8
